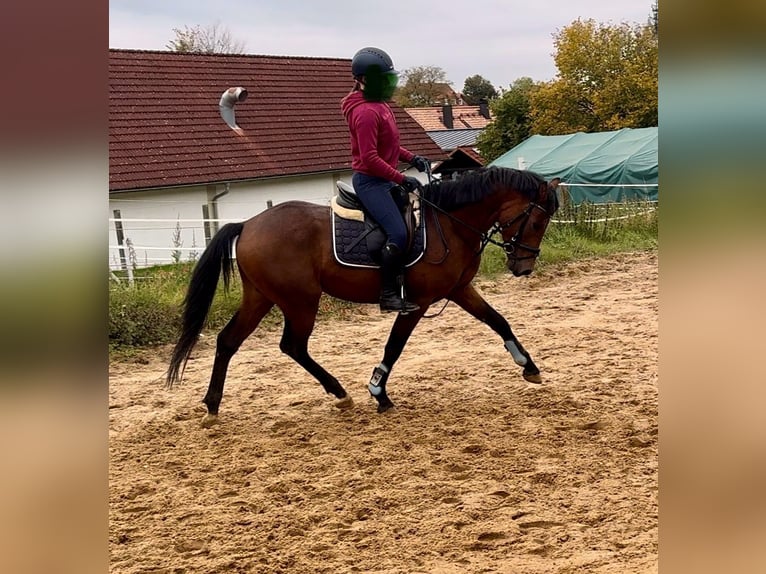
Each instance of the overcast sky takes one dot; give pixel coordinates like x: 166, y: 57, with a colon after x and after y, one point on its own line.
x: 501, y: 40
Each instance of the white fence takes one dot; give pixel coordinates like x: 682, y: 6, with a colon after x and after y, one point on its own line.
x: 185, y: 239
x: 123, y: 252
x: 136, y: 242
x: 147, y: 230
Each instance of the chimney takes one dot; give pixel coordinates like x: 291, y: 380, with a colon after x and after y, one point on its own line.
x: 226, y: 106
x: 447, y: 116
x: 484, y: 108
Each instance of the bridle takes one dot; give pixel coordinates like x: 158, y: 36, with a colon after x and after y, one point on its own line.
x: 510, y: 246
x: 514, y: 243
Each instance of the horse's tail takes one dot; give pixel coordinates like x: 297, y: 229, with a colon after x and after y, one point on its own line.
x: 202, y: 288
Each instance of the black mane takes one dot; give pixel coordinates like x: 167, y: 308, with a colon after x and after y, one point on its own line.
x: 476, y: 185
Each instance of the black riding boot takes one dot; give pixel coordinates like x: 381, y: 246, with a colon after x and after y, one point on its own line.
x: 392, y: 281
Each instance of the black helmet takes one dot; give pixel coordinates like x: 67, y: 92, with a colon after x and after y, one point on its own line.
x: 367, y: 57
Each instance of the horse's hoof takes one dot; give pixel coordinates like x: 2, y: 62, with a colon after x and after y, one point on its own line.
x: 532, y: 378
x: 383, y: 407
x: 208, y: 420
x: 345, y: 403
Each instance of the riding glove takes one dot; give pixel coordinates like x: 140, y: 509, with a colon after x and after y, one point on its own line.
x: 410, y: 183
x: 421, y: 163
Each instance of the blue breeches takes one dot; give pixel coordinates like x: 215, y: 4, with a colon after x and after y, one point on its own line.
x: 374, y: 193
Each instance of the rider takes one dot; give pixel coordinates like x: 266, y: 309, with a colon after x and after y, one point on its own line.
x: 376, y: 151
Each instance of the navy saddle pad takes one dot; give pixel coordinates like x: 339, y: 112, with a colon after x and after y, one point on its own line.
x: 357, y: 239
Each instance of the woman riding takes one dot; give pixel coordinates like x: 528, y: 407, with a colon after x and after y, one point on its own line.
x: 376, y: 152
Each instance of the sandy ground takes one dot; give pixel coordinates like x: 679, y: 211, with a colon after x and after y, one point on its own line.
x: 475, y: 471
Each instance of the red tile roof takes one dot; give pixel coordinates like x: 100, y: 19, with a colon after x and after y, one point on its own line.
x: 463, y: 117
x: 470, y: 152
x: 461, y: 158
x: 165, y: 128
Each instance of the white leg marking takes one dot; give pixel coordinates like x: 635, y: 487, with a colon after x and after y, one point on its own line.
x: 518, y: 358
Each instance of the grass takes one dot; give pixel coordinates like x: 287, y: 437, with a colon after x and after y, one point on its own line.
x: 586, y: 231
x: 146, y: 314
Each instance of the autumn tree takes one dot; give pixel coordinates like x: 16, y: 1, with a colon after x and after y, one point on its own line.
x: 511, y: 122
x: 212, y: 39
x: 607, y: 80
x: 423, y: 86
x: 477, y: 88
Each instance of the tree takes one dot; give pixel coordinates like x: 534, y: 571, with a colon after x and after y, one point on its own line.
x: 476, y: 89
x: 212, y: 39
x: 424, y: 86
x: 511, y: 122
x: 607, y: 79
x: 558, y: 108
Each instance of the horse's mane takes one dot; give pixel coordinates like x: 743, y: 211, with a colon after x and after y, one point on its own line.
x: 476, y: 185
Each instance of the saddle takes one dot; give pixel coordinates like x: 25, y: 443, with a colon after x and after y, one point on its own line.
x: 357, y: 237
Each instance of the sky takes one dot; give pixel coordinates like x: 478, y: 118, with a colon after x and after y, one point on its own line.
x: 500, y: 40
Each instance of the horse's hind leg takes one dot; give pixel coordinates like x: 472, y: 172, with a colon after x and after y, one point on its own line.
x: 253, y: 308
x: 473, y: 303
x: 295, y: 337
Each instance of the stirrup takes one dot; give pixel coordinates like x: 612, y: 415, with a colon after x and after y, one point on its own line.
x: 401, y: 306
x: 408, y: 307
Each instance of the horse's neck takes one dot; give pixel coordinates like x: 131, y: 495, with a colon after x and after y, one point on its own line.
x: 479, y: 216
x: 470, y: 219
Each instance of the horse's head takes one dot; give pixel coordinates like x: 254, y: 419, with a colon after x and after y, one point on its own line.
x: 523, y: 231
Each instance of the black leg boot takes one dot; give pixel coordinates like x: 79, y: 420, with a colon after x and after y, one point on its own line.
x: 392, y: 281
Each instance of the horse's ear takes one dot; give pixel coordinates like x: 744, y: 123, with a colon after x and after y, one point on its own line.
x: 550, y: 187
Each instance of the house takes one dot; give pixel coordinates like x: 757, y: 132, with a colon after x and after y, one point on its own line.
x: 460, y: 160
x: 199, y: 139
x: 446, y: 95
x: 449, y: 117
x: 454, y: 128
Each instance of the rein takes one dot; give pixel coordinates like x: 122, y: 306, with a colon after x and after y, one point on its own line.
x: 509, y: 247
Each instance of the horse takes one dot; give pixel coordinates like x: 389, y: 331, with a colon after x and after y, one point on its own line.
x: 285, y: 258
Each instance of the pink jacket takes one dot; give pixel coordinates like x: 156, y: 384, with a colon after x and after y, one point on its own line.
x: 375, y: 148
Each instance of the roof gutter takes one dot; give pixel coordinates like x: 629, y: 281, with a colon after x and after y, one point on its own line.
x: 243, y: 180
x: 211, y: 212
x: 224, y: 192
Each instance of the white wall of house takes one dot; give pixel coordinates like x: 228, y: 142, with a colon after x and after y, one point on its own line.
x: 179, y: 232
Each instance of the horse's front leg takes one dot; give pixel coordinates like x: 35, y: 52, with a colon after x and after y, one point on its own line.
x: 400, y: 332
x: 470, y: 300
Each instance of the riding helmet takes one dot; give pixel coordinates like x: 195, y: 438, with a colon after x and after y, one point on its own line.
x: 367, y: 57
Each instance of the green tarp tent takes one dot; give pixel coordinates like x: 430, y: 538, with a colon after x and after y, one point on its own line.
x: 608, y: 166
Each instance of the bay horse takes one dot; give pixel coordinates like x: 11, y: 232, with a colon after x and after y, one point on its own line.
x: 285, y: 258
